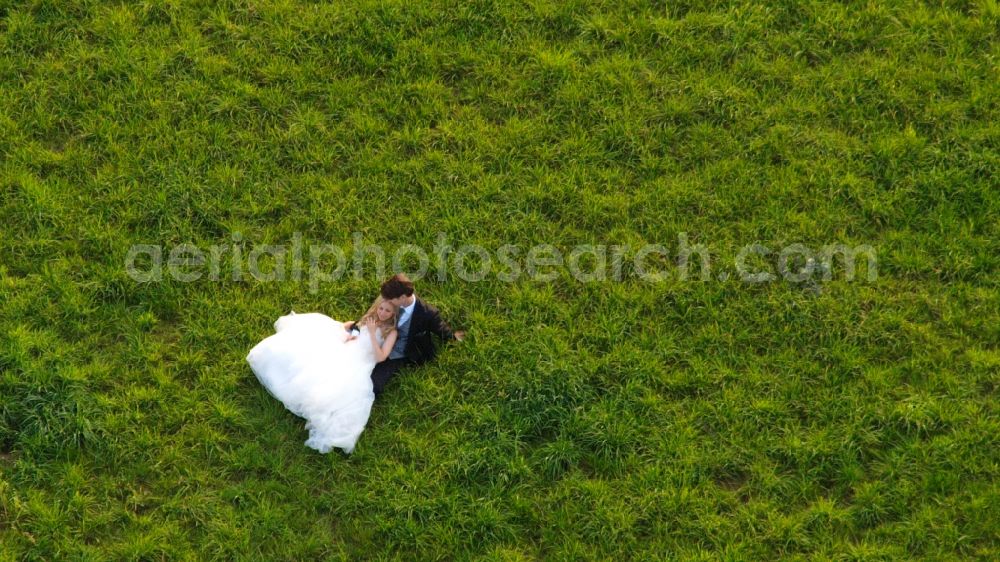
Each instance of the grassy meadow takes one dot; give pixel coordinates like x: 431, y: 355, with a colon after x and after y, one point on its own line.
x: 614, y: 419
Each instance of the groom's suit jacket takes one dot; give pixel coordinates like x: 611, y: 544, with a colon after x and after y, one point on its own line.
x: 425, y: 321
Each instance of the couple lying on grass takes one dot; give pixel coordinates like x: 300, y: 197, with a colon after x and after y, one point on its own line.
x: 330, y: 372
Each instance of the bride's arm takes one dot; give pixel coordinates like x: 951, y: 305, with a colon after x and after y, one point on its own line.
x: 381, y: 353
x: 348, y: 334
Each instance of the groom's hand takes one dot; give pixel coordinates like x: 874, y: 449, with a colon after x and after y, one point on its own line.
x: 460, y: 335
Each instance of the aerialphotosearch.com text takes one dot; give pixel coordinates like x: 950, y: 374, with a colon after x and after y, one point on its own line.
x: 320, y: 263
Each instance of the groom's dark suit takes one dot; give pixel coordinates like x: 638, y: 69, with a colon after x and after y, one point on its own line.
x: 424, y: 321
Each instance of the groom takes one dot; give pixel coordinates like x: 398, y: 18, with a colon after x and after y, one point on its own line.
x: 415, y: 324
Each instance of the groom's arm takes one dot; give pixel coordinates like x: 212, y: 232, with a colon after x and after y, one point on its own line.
x: 437, y: 325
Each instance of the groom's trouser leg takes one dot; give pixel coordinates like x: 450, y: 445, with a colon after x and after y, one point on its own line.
x: 383, y: 373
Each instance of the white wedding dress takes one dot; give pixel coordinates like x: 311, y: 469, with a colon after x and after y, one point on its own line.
x: 319, y: 376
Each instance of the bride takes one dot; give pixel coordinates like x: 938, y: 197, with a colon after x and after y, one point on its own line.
x: 323, y: 374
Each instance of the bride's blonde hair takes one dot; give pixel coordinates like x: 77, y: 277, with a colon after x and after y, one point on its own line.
x: 389, y: 325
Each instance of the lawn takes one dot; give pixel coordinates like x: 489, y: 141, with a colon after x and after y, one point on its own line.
x: 699, y: 416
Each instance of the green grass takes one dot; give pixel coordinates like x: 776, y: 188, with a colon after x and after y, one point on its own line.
x: 606, y: 420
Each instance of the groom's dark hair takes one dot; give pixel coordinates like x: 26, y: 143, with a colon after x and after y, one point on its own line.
x: 397, y: 286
